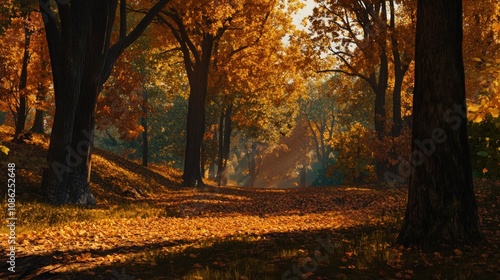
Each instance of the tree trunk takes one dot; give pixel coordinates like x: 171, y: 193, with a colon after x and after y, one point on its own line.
x: 83, y: 139
x: 253, y: 165
x: 67, y: 53
x: 81, y: 60
x: 198, y: 82
x: 396, y: 111
x: 225, y: 128
x: 380, y: 115
x: 144, y: 122
x: 22, y: 110
x: 195, y: 130
x: 396, y: 105
x: 220, y: 160
x: 21, y: 113
x: 39, y: 122
x: 400, y: 68
x: 302, y: 176
x: 441, y: 206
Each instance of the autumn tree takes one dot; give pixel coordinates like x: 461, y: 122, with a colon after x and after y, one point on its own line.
x: 353, y: 162
x: 366, y: 38
x: 26, y: 77
x: 200, y: 29
x: 82, y: 55
x: 119, y: 106
x: 482, y: 58
x: 262, y: 123
x: 21, y: 59
x: 441, y: 203
x: 318, y: 108
x: 263, y: 75
x: 22, y: 108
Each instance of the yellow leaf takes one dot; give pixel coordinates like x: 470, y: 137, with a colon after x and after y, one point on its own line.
x: 495, y: 112
x: 4, y: 149
x: 473, y: 107
x: 496, y: 26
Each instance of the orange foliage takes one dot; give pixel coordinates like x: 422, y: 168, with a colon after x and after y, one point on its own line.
x: 12, y: 45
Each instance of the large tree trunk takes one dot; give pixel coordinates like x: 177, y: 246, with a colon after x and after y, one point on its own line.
x: 195, y: 130
x: 441, y: 204
x: 198, y: 82
x: 83, y: 139
x: 67, y: 53
x: 81, y: 61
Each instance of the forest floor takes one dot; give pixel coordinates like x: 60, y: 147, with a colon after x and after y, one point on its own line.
x: 146, y: 226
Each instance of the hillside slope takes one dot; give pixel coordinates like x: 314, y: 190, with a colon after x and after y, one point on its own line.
x: 112, y: 177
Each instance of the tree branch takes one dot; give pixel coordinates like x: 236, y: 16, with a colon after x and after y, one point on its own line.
x: 183, y: 46
x: 184, y: 37
x: 117, y: 49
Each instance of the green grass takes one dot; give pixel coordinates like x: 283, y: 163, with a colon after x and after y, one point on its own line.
x: 34, y: 215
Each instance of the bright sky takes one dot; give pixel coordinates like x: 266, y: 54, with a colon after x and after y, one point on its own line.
x: 305, y: 12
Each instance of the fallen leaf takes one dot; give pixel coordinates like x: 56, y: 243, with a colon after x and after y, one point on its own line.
x: 458, y: 252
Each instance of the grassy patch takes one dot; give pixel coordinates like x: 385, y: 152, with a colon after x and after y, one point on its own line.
x: 34, y: 215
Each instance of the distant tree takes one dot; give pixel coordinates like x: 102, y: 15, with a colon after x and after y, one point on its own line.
x: 441, y: 203
x: 319, y: 110
x: 203, y: 29
x: 366, y: 38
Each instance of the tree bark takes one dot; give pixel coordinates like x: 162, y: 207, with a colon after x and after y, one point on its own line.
x: 81, y: 61
x: 380, y: 114
x: 67, y: 53
x: 253, y: 164
x: 225, y: 128
x: 39, y: 122
x: 397, y: 119
x: 441, y: 206
x: 144, y: 122
x: 198, y: 82
x: 400, y: 68
x: 22, y: 109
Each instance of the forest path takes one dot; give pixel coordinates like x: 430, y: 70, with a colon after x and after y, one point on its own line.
x: 192, y: 215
